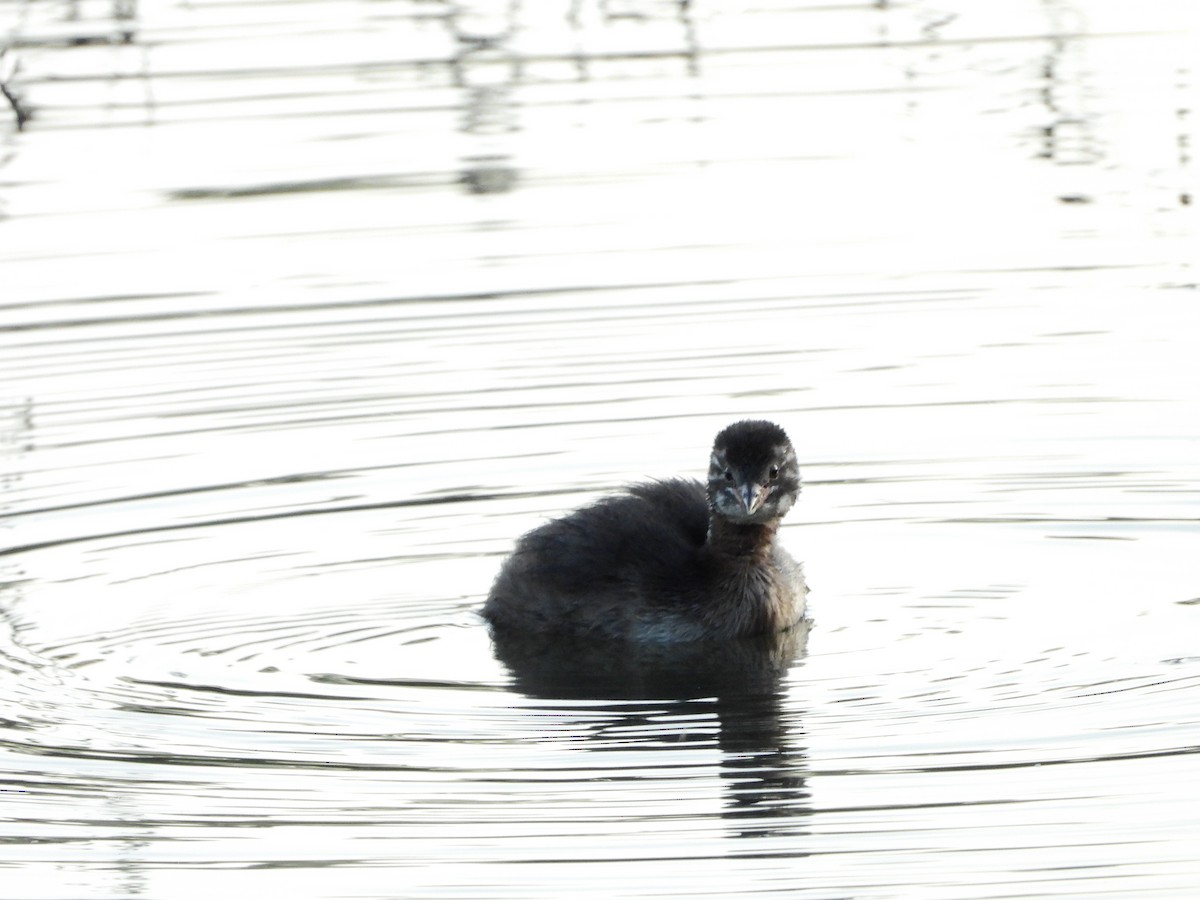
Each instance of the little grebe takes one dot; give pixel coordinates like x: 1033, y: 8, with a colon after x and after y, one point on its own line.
x: 667, y: 560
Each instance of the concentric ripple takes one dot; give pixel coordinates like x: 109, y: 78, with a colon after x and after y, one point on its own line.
x: 308, y: 311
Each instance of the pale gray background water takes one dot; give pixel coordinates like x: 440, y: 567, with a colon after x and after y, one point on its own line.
x: 309, y: 309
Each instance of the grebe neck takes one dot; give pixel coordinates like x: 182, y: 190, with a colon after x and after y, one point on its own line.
x: 742, y: 541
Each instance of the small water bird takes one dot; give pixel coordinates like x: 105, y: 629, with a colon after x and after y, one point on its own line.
x: 667, y: 561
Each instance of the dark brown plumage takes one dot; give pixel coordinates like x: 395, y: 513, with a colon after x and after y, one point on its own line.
x: 668, y: 561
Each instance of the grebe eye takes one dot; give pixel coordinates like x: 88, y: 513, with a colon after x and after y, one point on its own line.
x: 729, y: 474
x: 773, y: 473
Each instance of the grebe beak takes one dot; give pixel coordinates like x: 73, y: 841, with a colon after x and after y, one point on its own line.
x: 752, y: 496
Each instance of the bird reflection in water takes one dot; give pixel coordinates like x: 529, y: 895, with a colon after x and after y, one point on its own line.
x: 738, y: 684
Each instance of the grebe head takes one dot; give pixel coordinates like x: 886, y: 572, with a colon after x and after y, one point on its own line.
x: 753, y: 475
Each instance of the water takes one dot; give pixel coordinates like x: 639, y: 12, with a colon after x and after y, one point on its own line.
x: 310, y: 310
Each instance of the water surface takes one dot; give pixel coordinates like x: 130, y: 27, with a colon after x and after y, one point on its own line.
x: 309, y: 310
